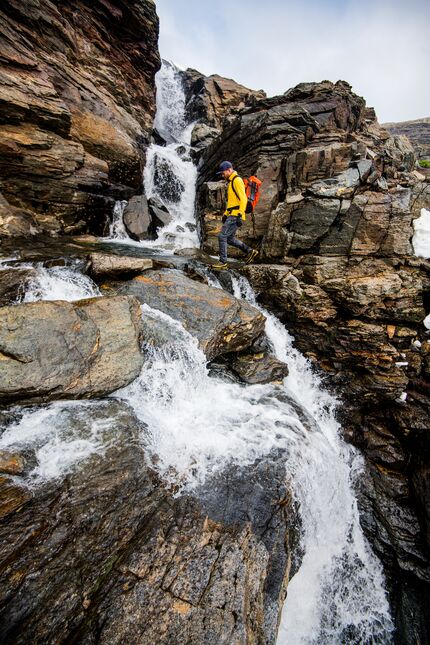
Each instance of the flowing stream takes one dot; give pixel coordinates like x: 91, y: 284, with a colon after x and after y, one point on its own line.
x: 198, y: 425
x: 170, y: 174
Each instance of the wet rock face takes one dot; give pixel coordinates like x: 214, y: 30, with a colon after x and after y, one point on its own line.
x: 220, y: 322
x: 110, y: 555
x: 143, y: 217
x: 209, y: 99
x: 360, y: 320
x: 11, y: 284
x: 334, y: 182
x: 76, y: 107
x: 102, y: 265
x: 52, y: 350
x: 16, y: 222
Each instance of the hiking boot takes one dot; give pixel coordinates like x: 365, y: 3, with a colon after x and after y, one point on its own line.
x: 219, y: 266
x: 251, y: 256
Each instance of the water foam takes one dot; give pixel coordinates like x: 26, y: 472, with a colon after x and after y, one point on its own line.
x: 198, y: 425
x: 117, y: 229
x: 59, y: 283
x: 60, y: 436
x: 338, y: 594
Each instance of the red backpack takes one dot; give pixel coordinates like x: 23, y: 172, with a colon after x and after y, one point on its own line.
x: 252, y: 189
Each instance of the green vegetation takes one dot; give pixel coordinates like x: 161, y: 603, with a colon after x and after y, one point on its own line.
x: 424, y: 163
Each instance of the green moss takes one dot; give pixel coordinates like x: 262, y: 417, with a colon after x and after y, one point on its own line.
x: 424, y: 163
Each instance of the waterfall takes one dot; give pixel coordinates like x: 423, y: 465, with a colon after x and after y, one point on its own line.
x: 117, y: 229
x: 338, y: 595
x: 170, y: 174
x: 200, y: 425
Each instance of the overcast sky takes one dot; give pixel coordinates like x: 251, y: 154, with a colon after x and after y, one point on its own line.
x: 381, y: 47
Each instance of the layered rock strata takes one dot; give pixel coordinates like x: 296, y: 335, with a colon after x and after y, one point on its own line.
x: 334, y: 226
x: 209, y: 101
x: 418, y: 133
x: 77, y: 101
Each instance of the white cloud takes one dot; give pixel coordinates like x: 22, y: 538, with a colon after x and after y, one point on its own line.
x: 381, y: 48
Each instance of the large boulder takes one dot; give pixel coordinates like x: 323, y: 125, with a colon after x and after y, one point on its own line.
x: 77, y: 99
x: 54, y: 350
x: 221, y: 322
x: 259, y: 368
x: 137, y: 218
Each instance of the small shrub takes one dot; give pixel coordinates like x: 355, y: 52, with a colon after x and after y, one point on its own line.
x: 424, y: 163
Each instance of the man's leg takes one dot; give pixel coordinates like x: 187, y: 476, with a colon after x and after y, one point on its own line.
x: 251, y: 254
x: 238, y: 244
x: 233, y: 241
x: 228, y: 230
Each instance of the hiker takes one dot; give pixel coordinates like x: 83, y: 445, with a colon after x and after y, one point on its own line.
x: 232, y: 218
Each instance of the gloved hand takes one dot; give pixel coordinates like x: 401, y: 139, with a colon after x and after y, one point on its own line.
x: 239, y: 221
x: 224, y: 217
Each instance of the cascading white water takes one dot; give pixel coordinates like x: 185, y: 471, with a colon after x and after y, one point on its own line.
x: 61, y: 435
x: 200, y: 425
x: 59, y: 283
x: 117, y: 229
x: 170, y: 174
x: 338, y: 594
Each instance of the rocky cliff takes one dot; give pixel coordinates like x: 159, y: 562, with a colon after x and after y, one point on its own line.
x: 77, y: 101
x: 417, y: 131
x: 210, y: 100
x: 111, y: 552
x: 334, y: 226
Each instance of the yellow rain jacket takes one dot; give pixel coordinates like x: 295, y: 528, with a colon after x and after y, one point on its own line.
x: 236, y: 203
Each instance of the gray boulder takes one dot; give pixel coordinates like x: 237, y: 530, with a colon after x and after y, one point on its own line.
x: 137, y: 218
x: 160, y: 216
x: 55, y: 350
x: 219, y: 321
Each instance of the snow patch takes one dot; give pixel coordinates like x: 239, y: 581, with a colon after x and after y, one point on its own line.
x: 421, y: 237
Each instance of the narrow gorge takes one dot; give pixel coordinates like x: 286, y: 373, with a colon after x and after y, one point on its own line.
x: 239, y: 457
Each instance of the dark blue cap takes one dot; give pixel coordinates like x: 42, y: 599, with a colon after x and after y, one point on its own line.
x: 225, y: 165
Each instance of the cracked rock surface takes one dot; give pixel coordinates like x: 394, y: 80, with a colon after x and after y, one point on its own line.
x: 111, y: 555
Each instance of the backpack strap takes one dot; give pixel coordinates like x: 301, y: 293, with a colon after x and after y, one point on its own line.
x: 232, y: 185
x: 234, y: 208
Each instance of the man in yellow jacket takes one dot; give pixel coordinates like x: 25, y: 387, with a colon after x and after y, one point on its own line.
x: 233, y: 216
